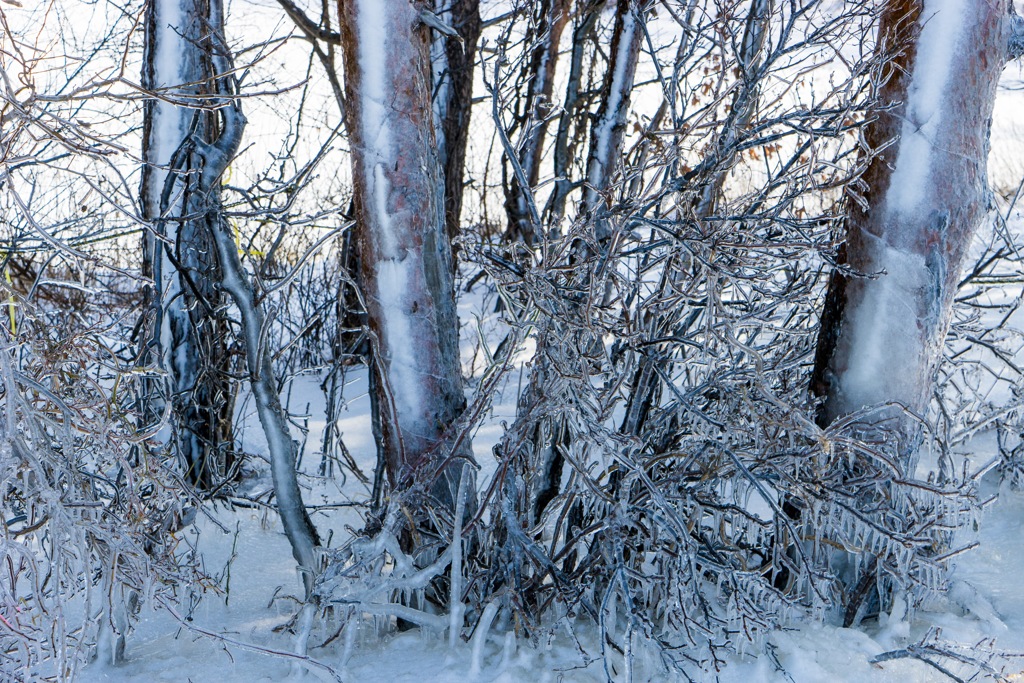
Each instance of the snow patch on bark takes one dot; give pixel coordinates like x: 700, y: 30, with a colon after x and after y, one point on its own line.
x: 372, y: 23
x: 393, y: 282
x: 884, y: 331
x: 167, y: 63
x: 170, y: 123
x: 942, y: 22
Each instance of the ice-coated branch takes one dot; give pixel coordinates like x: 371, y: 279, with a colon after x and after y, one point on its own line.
x: 456, y: 607
x: 304, y: 659
x: 483, y: 627
x: 297, y: 525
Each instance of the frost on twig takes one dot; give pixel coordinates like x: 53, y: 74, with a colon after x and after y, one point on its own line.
x: 87, y: 516
x: 375, y: 576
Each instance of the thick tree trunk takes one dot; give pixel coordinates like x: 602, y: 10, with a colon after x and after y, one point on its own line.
x: 883, y: 328
x: 405, y: 263
x: 189, y: 335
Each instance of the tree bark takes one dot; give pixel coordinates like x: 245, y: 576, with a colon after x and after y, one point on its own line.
x: 190, y: 330
x: 569, y: 122
x: 191, y: 148
x: 886, y: 317
x: 405, y: 265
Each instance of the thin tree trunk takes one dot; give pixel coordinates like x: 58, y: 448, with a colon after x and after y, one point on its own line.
x: 550, y: 19
x: 453, y: 65
x: 587, y: 14
x: 610, y: 124
x: 646, y: 384
x: 883, y: 328
x: 190, y: 331
x: 405, y: 256
x: 744, y: 104
x: 602, y: 162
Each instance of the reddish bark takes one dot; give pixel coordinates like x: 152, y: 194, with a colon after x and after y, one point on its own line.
x: 400, y: 227
x: 954, y: 203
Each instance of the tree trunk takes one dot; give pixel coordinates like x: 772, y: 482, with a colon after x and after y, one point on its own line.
x: 189, y: 335
x: 212, y: 159
x: 610, y: 123
x: 405, y: 264
x: 884, y: 324
x: 453, y: 65
x: 204, y: 144
x: 550, y: 18
x: 569, y: 122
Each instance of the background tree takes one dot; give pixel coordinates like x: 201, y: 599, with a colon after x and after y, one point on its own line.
x: 453, y: 63
x: 189, y: 334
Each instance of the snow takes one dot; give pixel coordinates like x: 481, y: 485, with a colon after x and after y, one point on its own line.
x: 987, y: 601
x: 168, y: 127
x: 940, y: 37
x: 392, y: 280
x: 372, y: 22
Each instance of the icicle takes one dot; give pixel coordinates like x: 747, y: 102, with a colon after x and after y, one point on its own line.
x: 509, y: 650
x: 456, y: 607
x: 480, y: 637
x: 306, y: 618
x: 351, y: 631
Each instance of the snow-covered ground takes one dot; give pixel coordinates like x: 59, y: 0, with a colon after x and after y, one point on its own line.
x: 984, y: 611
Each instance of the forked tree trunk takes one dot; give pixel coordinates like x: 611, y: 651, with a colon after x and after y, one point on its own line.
x: 405, y: 264
x: 202, y: 154
x: 189, y: 337
x: 882, y: 329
